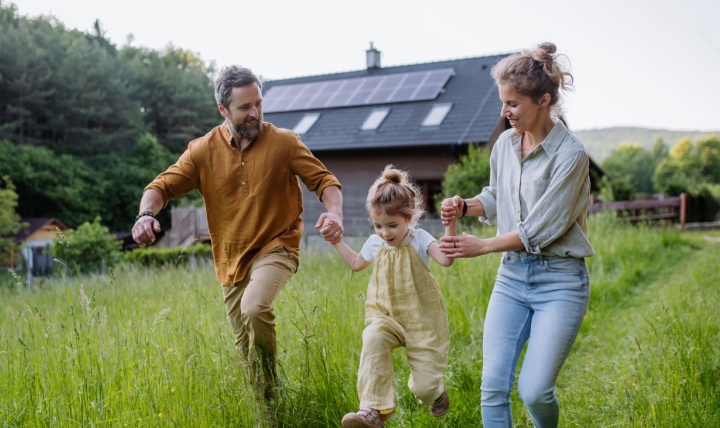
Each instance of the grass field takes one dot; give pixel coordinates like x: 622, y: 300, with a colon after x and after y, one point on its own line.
x: 146, y: 348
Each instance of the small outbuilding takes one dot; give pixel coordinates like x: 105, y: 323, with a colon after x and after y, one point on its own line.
x: 33, y: 242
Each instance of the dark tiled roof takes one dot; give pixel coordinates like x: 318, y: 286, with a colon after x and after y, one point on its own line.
x: 474, y: 115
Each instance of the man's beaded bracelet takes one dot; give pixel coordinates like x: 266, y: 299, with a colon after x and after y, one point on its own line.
x: 143, y: 214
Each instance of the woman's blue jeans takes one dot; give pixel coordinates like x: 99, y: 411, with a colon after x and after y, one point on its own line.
x: 542, y: 301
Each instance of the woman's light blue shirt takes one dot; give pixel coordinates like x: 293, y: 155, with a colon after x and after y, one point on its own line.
x: 544, y: 196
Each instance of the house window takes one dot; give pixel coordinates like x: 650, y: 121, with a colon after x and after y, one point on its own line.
x: 375, y: 118
x: 306, y: 123
x: 437, y: 114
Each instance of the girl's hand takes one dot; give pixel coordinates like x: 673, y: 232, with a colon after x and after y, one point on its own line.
x: 451, y: 209
x: 330, y: 228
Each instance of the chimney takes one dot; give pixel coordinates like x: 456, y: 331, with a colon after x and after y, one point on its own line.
x: 372, y: 56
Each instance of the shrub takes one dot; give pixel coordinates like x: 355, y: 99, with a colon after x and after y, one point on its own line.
x: 468, y: 177
x: 9, y: 219
x: 618, y: 189
x: 175, y: 256
x: 89, y: 248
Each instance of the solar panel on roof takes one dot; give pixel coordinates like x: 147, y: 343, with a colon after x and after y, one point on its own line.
x: 392, y: 88
x: 385, y: 89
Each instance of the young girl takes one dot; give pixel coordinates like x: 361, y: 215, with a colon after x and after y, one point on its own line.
x: 404, y: 306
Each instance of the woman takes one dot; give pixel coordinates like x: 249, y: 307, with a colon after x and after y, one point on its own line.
x: 538, y: 195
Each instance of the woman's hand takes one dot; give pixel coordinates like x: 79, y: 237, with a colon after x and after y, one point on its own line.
x: 451, y: 209
x: 464, y: 246
x: 472, y: 246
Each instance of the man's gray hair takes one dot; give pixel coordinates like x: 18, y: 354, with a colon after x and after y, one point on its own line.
x: 233, y: 77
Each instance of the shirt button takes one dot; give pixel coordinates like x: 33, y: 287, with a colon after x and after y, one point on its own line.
x: 242, y: 163
x: 243, y: 183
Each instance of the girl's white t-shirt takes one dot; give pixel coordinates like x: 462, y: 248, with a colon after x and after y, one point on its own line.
x: 419, y: 239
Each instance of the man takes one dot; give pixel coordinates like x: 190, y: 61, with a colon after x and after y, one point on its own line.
x: 246, y: 171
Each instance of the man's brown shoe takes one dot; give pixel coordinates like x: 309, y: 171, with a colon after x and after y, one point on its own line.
x: 441, y: 405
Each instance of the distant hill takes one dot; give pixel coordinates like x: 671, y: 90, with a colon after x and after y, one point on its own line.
x: 601, y: 141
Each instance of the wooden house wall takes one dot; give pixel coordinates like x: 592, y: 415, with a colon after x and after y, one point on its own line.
x: 45, y: 233
x: 358, y: 171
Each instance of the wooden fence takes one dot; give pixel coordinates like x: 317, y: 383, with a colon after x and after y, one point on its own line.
x: 665, y: 210
x: 188, y: 226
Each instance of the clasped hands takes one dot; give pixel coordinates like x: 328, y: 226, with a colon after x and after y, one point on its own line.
x: 458, y: 246
x: 330, y: 227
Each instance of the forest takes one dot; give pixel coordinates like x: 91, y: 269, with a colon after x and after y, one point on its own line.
x: 85, y: 125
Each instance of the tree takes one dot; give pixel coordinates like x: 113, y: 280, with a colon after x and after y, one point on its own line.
x: 680, y: 171
x: 632, y: 164
x: 708, y: 153
x: 97, y: 109
x: 175, y: 94
x: 64, y: 90
x: 468, y: 177
x: 694, y: 169
x: 123, y: 176
x: 24, y: 78
x: 89, y: 248
x: 77, y: 114
x: 619, y: 188
x: 9, y: 219
x: 51, y: 185
x: 659, y: 150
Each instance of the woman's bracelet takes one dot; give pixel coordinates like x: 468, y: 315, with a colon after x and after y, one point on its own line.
x: 143, y: 214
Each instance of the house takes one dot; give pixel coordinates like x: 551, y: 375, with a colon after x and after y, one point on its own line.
x: 33, y: 241
x: 419, y: 117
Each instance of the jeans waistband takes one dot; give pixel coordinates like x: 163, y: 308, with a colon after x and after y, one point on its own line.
x: 524, y: 255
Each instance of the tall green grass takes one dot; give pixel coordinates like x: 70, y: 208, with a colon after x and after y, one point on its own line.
x: 648, y: 354
x: 140, y: 347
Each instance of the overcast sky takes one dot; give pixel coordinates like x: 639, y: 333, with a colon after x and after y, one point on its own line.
x: 646, y: 63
